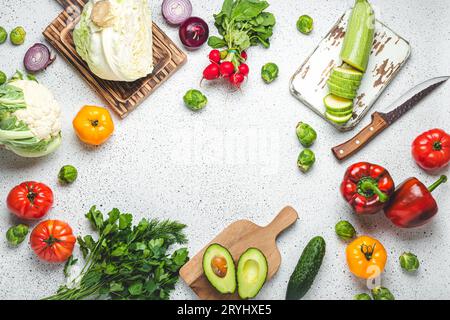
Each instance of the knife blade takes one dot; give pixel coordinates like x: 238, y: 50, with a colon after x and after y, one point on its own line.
x: 381, y: 120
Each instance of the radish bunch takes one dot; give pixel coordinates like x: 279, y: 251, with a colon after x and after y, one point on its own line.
x: 227, y: 64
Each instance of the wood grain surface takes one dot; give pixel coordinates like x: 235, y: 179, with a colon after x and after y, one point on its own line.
x: 122, y: 97
x: 238, y: 237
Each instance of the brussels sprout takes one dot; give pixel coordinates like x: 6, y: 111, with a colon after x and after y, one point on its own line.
x: 269, y: 72
x: 409, y: 261
x: 16, y: 235
x: 3, y: 35
x: 17, y: 36
x: 306, y: 160
x: 67, y: 174
x: 345, y: 230
x: 382, y: 293
x: 305, y: 24
x: 362, y: 296
x: 195, y: 100
x: 306, y: 134
x: 2, y: 78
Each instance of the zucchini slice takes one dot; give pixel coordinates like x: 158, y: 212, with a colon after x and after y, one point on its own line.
x: 337, y: 104
x: 347, y: 73
x: 340, y: 92
x: 337, y: 119
x: 345, y: 86
x: 337, y: 79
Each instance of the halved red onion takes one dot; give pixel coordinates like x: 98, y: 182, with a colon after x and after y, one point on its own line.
x: 176, y: 11
x: 193, y: 32
x: 37, y: 58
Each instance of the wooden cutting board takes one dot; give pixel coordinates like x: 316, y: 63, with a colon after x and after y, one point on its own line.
x: 238, y: 237
x: 122, y: 97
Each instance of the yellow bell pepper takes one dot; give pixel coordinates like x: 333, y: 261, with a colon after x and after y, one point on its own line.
x: 93, y: 125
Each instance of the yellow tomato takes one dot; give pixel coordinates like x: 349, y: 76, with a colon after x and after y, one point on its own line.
x: 366, y: 257
x: 93, y: 125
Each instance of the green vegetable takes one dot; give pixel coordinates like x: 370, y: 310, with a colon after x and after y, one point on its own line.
x: 17, y: 36
x: 362, y: 296
x: 127, y: 261
x: 251, y: 273
x: 241, y: 24
x: 337, y: 104
x: 347, y: 73
x: 307, y: 268
x: 305, y: 24
x: 3, y: 35
x: 345, y: 230
x: 269, y: 72
x: 67, y: 174
x: 306, y: 160
x: 3, y: 78
x: 306, y: 134
x: 195, y: 100
x: 15, y: 235
x: 359, y: 36
x: 33, y: 132
x: 219, y: 269
x: 409, y: 261
x: 339, y: 119
x: 337, y: 90
x: 382, y: 293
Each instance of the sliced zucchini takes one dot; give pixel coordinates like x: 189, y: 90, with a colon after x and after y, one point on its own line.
x: 337, y: 104
x: 340, y: 114
x: 345, y: 86
x: 347, y: 73
x: 338, y: 79
x: 340, y: 92
x: 337, y: 119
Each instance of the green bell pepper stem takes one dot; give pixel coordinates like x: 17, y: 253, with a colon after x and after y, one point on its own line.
x: 441, y: 180
x: 370, y: 184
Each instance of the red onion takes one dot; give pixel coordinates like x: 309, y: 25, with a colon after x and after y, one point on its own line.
x: 194, y: 32
x: 38, y: 57
x: 176, y: 11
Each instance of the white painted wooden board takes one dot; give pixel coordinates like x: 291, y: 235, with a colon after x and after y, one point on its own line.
x: 389, y: 53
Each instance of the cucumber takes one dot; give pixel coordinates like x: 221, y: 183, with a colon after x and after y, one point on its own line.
x: 337, y: 79
x: 340, y: 92
x: 347, y: 73
x: 306, y: 270
x: 338, y: 119
x: 359, y: 36
x: 337, y: 104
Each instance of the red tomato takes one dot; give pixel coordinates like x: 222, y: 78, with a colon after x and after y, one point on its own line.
x: 30, y: 200
x: 431, y: 149
x: 52, y: 240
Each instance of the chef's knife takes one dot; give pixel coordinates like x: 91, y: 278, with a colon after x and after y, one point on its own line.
x: 381, y: 121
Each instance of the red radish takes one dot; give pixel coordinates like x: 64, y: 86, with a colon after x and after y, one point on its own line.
x: 243, y: 69
x: 244, y: 55
x: 214, y: 56
x: 211, y: 72
x: 226, y: 69
x: 236, y: 79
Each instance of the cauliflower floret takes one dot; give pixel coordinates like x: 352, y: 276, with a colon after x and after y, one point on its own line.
x: 43, y: 114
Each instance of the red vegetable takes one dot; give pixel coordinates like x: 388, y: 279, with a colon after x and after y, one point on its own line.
x: 38, y: 58
x: 243, y: 69
x: 244, y: 55
x: 194, y: 32
x: 52, y: 240
x: 226, y: 68
x: 367, y: 187
x: 211, y: 72
x: 30, y: 200
x: 236, y: 79
x: 431, y: 150
x: 176, y: 11
x: 412, y: 204
x: 214, y: 56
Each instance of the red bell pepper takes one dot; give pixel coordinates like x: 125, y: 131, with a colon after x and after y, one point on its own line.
x: 431, y: 150
x: 412, y: 204
x: 367, y: 187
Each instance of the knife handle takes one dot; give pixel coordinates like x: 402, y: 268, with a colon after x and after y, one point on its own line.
x: 350, y: 147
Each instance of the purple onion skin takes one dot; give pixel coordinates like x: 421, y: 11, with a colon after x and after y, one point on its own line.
x: 194, y: 33
x: 172, y: 18
x: 38, y: 58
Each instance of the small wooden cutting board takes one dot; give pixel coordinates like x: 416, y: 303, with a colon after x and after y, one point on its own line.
x: 238, y: 237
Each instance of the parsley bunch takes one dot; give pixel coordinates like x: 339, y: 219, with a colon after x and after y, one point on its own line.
x: 126, y: 262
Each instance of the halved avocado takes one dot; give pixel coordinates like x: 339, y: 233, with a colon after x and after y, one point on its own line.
x: 251, y: 273
x: 219, y: 269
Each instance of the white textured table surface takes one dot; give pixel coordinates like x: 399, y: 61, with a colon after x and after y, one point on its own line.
x: 237, y: 158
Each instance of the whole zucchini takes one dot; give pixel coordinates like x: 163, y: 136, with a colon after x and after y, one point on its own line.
x: 359, y: 36
x: 306, y: 270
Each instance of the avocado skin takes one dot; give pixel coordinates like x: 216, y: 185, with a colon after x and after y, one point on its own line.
x: 306, y: 270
